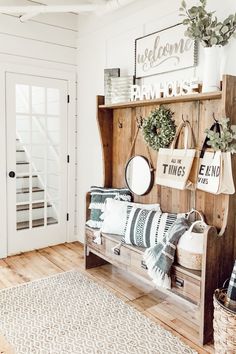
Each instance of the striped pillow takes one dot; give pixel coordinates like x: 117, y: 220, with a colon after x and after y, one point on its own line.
x: 98, y: 198
x: 145, y: 228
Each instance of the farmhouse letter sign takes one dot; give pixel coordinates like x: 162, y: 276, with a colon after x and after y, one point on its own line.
x: 164, y: 51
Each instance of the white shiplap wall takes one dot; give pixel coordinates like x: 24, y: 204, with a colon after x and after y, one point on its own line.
x: 39, y: 42
x: 47, y: 42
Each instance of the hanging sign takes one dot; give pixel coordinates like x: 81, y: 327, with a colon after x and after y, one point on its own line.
x: 164, y: 51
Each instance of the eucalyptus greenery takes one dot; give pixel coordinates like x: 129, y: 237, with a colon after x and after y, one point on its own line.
x: 159, y: 128
x: 225, y: 140
x: 204, y: 26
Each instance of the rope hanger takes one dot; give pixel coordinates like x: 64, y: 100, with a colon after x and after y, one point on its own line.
x: 139, y: 123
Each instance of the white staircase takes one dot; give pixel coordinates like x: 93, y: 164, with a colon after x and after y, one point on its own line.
x: 39, y: 204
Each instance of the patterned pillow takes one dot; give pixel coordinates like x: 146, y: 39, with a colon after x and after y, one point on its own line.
x: 144, y: 228
x: 114, y: 217
x: 98, y: 198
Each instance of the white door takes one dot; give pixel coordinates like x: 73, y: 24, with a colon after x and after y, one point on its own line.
x: 36, y: 109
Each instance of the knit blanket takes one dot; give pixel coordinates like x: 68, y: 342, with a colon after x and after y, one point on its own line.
x: 160, y: 258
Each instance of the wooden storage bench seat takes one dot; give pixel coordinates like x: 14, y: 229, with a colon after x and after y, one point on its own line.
x: 193, y: 286
x: 185, y: 283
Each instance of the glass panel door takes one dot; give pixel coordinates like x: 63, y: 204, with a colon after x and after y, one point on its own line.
x: 39, y: 117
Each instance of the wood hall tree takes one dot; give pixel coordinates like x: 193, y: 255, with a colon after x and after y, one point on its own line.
x: 117, y: 125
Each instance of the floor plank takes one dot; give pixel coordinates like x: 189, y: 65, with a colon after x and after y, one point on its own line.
x: 56, y: 259
x: 5, y: 347
x: 33, y: 265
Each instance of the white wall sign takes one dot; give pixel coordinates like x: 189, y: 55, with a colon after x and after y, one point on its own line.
x: 163, y: 51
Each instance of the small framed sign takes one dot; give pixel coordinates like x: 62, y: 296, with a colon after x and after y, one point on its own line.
x: 164, y: 51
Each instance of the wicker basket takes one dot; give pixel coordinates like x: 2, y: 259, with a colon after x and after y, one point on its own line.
x: 189, y: 260
x: 224, y: 325
x: 190, y: 246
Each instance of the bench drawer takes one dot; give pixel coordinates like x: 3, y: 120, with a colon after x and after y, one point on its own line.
x: 186, y: 286
x: 123, y: 257
x: 138, y: 265
x: 89, y: 241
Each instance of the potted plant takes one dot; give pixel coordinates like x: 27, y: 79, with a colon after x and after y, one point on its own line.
x: 213, y: 35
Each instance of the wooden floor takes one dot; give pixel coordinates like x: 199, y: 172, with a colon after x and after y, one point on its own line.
x: 48, y: 261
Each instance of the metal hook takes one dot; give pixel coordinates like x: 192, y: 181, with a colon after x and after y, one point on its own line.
x: 185, y: 120
x: 139, y: 122
x: 120, y: 124
x: 213, y: 115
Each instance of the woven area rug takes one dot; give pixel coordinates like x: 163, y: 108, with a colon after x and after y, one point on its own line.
x: 71, y: 314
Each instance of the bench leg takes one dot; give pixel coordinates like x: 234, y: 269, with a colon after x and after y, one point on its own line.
x: 92, y: 260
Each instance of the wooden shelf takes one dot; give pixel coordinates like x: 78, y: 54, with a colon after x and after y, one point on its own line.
x: 179, y: 99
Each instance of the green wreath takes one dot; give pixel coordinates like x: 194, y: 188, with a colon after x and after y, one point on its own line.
x: 159, y: 128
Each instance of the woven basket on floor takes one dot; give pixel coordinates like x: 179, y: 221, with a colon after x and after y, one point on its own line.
x: 224, y: 325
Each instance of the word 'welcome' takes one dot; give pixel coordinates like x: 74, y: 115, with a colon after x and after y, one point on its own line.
x: 159, y: 54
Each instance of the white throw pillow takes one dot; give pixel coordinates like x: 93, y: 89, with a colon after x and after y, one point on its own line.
x: 115, y: 215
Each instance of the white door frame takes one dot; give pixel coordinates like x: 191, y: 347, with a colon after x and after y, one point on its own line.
x: 53, y: 74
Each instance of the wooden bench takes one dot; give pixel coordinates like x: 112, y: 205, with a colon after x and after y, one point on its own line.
x: 196, y: 288
x: 185, y: 283
x: 117, y: 126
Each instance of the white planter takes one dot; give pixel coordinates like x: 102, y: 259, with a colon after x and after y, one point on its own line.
x: 212, y: 70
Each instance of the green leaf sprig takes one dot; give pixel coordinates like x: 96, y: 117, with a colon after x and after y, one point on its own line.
x: 226, y: 140
x: 204, y: 26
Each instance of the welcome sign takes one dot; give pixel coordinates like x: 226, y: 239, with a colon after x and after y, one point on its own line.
x: 164, y: 51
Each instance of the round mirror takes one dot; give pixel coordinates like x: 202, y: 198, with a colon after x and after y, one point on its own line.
x: 138, y: 175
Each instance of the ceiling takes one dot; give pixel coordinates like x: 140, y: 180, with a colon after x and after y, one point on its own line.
x: 48, y: 2
x: 27, y: 4
x: 27, y: 9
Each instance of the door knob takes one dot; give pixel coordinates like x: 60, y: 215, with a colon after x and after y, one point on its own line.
x: 12, y: 174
